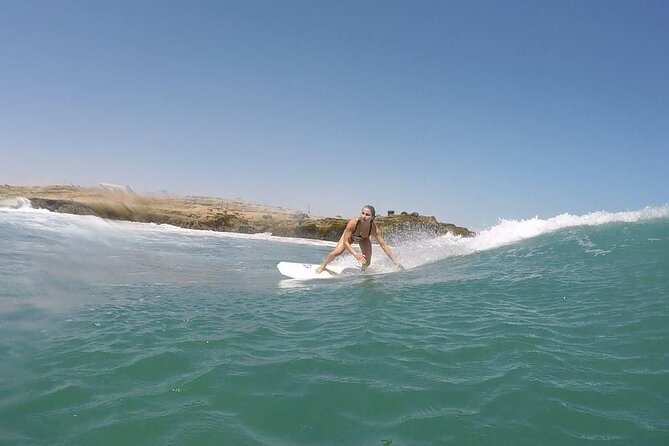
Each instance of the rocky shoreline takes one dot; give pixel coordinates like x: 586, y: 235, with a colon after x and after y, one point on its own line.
x: 217, y: 214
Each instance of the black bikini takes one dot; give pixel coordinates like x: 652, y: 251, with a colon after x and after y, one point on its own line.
x: 357, y: 238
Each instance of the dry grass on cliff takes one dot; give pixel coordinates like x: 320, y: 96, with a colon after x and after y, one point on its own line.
x: 125, y: 206
x: 216, y: 214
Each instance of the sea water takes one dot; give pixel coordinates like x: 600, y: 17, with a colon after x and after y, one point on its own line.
x: 540, y: 332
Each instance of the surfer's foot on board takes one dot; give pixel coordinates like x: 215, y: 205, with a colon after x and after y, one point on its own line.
x: 320, y: 269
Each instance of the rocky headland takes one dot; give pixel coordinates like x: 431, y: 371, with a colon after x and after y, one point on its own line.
x: 217, y: 214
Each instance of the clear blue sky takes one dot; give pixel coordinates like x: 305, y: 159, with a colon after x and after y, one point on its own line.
x: 467, y: 110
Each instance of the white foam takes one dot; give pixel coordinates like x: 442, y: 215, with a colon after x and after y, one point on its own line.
x: 511, y: 231
x: 506, y: 232
x: 16, y: 203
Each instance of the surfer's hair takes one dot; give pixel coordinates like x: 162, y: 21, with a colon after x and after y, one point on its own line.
x: 371, y: 209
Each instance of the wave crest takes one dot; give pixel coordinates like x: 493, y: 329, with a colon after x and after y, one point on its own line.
x: 420, y: 252
x: 16, y: 203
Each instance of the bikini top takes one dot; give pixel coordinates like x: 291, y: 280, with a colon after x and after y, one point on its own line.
x: 358, y: 237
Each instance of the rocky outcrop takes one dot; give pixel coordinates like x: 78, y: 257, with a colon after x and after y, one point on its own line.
x: 215, y: 214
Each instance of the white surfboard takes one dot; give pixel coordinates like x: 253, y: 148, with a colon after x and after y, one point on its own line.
x: 305, y: 271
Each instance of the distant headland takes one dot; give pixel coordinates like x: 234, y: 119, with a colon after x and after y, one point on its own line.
x: 217, y: 214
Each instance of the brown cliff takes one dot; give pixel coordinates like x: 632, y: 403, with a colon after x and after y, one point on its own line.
x: 211, y: 213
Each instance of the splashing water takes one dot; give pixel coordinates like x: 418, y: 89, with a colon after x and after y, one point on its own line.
x: 421, y: 250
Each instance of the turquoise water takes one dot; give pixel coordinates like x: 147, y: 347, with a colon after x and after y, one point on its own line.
x: 551, y: 332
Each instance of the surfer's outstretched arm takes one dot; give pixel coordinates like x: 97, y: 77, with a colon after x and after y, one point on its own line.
x: 344, y: 244
x: 378, y: 235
